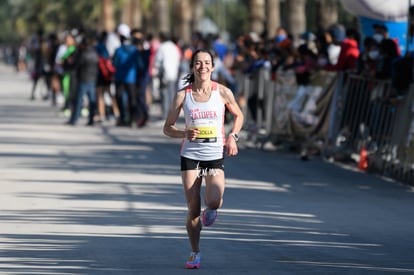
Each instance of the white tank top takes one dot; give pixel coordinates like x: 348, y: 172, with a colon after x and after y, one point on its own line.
x: 208, y: 117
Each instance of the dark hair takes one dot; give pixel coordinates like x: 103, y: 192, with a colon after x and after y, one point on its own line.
x: 189, y: 78
x: 137, y: 41
x: 86, y: 41
x: 135, y: 30
x: 380, y: 27
x: 163, y: 36
x: 369, y: 41
x: 103, y: 36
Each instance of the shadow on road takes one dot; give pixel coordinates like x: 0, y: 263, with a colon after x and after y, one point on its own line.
x: 108, y: 200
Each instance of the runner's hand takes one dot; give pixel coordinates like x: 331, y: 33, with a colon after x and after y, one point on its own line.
x: 231, y: 147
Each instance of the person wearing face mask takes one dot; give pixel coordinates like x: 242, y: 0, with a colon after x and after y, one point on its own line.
x: 282, y: 39
x: 349, y: 53
x: 367, y: 60
x: 125, y: 61
x: 381, y: 33
x: 333, y: 38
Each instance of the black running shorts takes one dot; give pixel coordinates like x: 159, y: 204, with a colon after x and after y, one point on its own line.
x: 190, y: 164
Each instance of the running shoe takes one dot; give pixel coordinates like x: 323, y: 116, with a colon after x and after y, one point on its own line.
x: 209, y: 216
x: 193, y: 261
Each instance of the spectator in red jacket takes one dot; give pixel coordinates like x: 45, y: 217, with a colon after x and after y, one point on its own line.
x: 349, y: 54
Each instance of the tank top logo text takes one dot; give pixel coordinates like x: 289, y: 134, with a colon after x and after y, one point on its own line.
x: 196, y: 114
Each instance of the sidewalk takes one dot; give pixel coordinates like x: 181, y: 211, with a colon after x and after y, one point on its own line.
x: 108, y: 200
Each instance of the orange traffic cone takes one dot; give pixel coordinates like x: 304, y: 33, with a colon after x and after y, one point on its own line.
x: 363, y: 159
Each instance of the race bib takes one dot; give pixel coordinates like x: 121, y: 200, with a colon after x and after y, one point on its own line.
x: 208, y: 130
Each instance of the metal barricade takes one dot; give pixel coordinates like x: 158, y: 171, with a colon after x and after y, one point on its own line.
x: 285, y: 112
x: 366, y: 116
x: 354, y: 112
x: 258, y: 92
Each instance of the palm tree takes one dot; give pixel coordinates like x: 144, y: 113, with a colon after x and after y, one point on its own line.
x: 296, y: 17
x: 197, y: 13
x: 161, y: 15
x: 132, y: 13
x: 257, y: 15
x: 273, y: 16
x: 182, y: 10
x: 107, y: 22
x: 327, y: 13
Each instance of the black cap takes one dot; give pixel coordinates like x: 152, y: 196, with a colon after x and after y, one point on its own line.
x: 380, y: 26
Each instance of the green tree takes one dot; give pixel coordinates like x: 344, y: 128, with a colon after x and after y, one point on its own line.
x: 20, y: 18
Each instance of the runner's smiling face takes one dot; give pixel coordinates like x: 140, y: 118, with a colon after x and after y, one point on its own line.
x: 203, y: 66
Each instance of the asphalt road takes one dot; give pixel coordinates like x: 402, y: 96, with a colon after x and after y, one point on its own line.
x: 107, y: 200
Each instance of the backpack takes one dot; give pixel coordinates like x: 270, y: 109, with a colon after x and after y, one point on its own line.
x: 106, y: 68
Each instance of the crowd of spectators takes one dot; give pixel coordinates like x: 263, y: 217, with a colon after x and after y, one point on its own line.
x: 148, y: 67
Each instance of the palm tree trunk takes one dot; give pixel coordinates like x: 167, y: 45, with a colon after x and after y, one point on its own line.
x: 257, y: 15
x: 273, y: 17
x: 296, y: 17
x: 327, y: 13
x: 161, y: 16
x: 197, y: 14
x: 107, y: 22
x: 182, y: 11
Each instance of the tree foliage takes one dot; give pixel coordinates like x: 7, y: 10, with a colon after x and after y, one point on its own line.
x: 21, y: 18
x: 231, y: 16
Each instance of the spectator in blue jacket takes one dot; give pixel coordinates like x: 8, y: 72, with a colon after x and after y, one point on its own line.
x: 125, y: 61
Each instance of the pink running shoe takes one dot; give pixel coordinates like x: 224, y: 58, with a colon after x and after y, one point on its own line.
x: 193, y: 261
x: 209, y: 216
